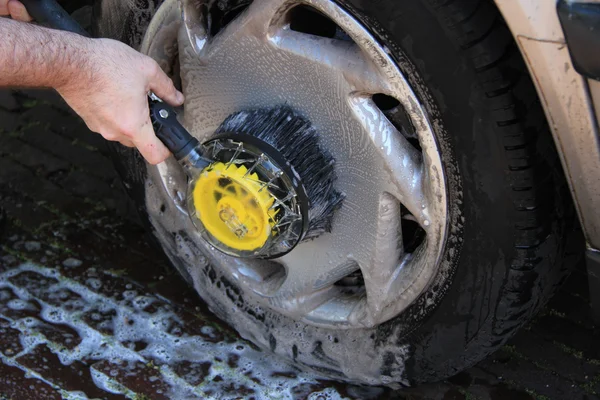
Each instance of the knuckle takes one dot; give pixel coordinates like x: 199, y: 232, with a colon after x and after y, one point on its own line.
x: 164, y: 154
x: 127, y: 132
x: 155, y: 155
x: 153, y: 67
x: 129, y: 129
x: 109, y: 136
x: 153, y: 159
x: 92, y: 127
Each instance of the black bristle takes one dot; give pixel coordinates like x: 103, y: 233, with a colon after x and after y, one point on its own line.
x: 297, y: 141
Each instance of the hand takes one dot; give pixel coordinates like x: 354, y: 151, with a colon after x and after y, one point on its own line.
x: 109, y: 88
x: 110, y: 94
x: 15, y: 9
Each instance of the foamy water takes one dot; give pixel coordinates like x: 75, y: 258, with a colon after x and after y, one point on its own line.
x: 146, y: 333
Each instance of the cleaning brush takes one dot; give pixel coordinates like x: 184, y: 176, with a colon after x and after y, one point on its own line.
x: 297, y: 141
x: 259, y: 186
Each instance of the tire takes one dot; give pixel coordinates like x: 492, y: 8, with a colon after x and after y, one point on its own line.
x: 512, y: 216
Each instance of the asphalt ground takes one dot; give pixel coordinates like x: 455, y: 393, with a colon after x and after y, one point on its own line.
x: 90, y: 309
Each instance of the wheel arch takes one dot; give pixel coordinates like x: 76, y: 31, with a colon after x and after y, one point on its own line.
x: 565, y: 97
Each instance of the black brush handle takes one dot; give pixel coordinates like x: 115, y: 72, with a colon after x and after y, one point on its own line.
x: 52, y: 14
x: 168, y: 129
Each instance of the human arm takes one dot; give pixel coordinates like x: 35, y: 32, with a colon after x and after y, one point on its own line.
x: 104, y: 81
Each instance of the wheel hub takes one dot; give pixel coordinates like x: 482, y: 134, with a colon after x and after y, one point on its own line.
x: 269, y: 188
x: 233, y: 208
x: 247, y: 203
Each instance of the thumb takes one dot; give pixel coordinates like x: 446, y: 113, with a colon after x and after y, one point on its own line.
x: 163, y: 87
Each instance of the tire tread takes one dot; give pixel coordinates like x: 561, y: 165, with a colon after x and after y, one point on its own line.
x: 542, y: 206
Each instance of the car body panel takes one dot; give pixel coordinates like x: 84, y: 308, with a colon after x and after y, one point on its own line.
x: 565, y: 96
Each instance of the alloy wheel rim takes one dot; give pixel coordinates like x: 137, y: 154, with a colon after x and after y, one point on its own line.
x: 387, y: 159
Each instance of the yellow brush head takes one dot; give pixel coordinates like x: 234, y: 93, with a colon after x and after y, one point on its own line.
x: 234, y: 206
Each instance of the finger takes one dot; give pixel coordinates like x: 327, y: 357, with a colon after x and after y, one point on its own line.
x: 163, y: 87
x: 18, y: 11
x: 4, y: 8
x: 151, y: 148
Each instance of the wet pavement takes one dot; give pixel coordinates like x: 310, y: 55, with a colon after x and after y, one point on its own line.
x: 90, y: 309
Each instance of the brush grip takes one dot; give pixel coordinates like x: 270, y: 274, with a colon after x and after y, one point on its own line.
x: 49, y: 12
x: 170, y: 131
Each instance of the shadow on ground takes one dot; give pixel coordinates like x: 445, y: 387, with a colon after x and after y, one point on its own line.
x: 89, y: 309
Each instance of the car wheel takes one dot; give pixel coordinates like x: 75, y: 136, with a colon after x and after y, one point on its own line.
x: 456, y: 216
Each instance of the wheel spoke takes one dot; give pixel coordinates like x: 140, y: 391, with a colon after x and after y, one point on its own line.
x: 388, y: 293
x: 255, y: 22
x: 403, y: 163
x: 339, y: 56
x: 310, y: 281
x: 378, y: 267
